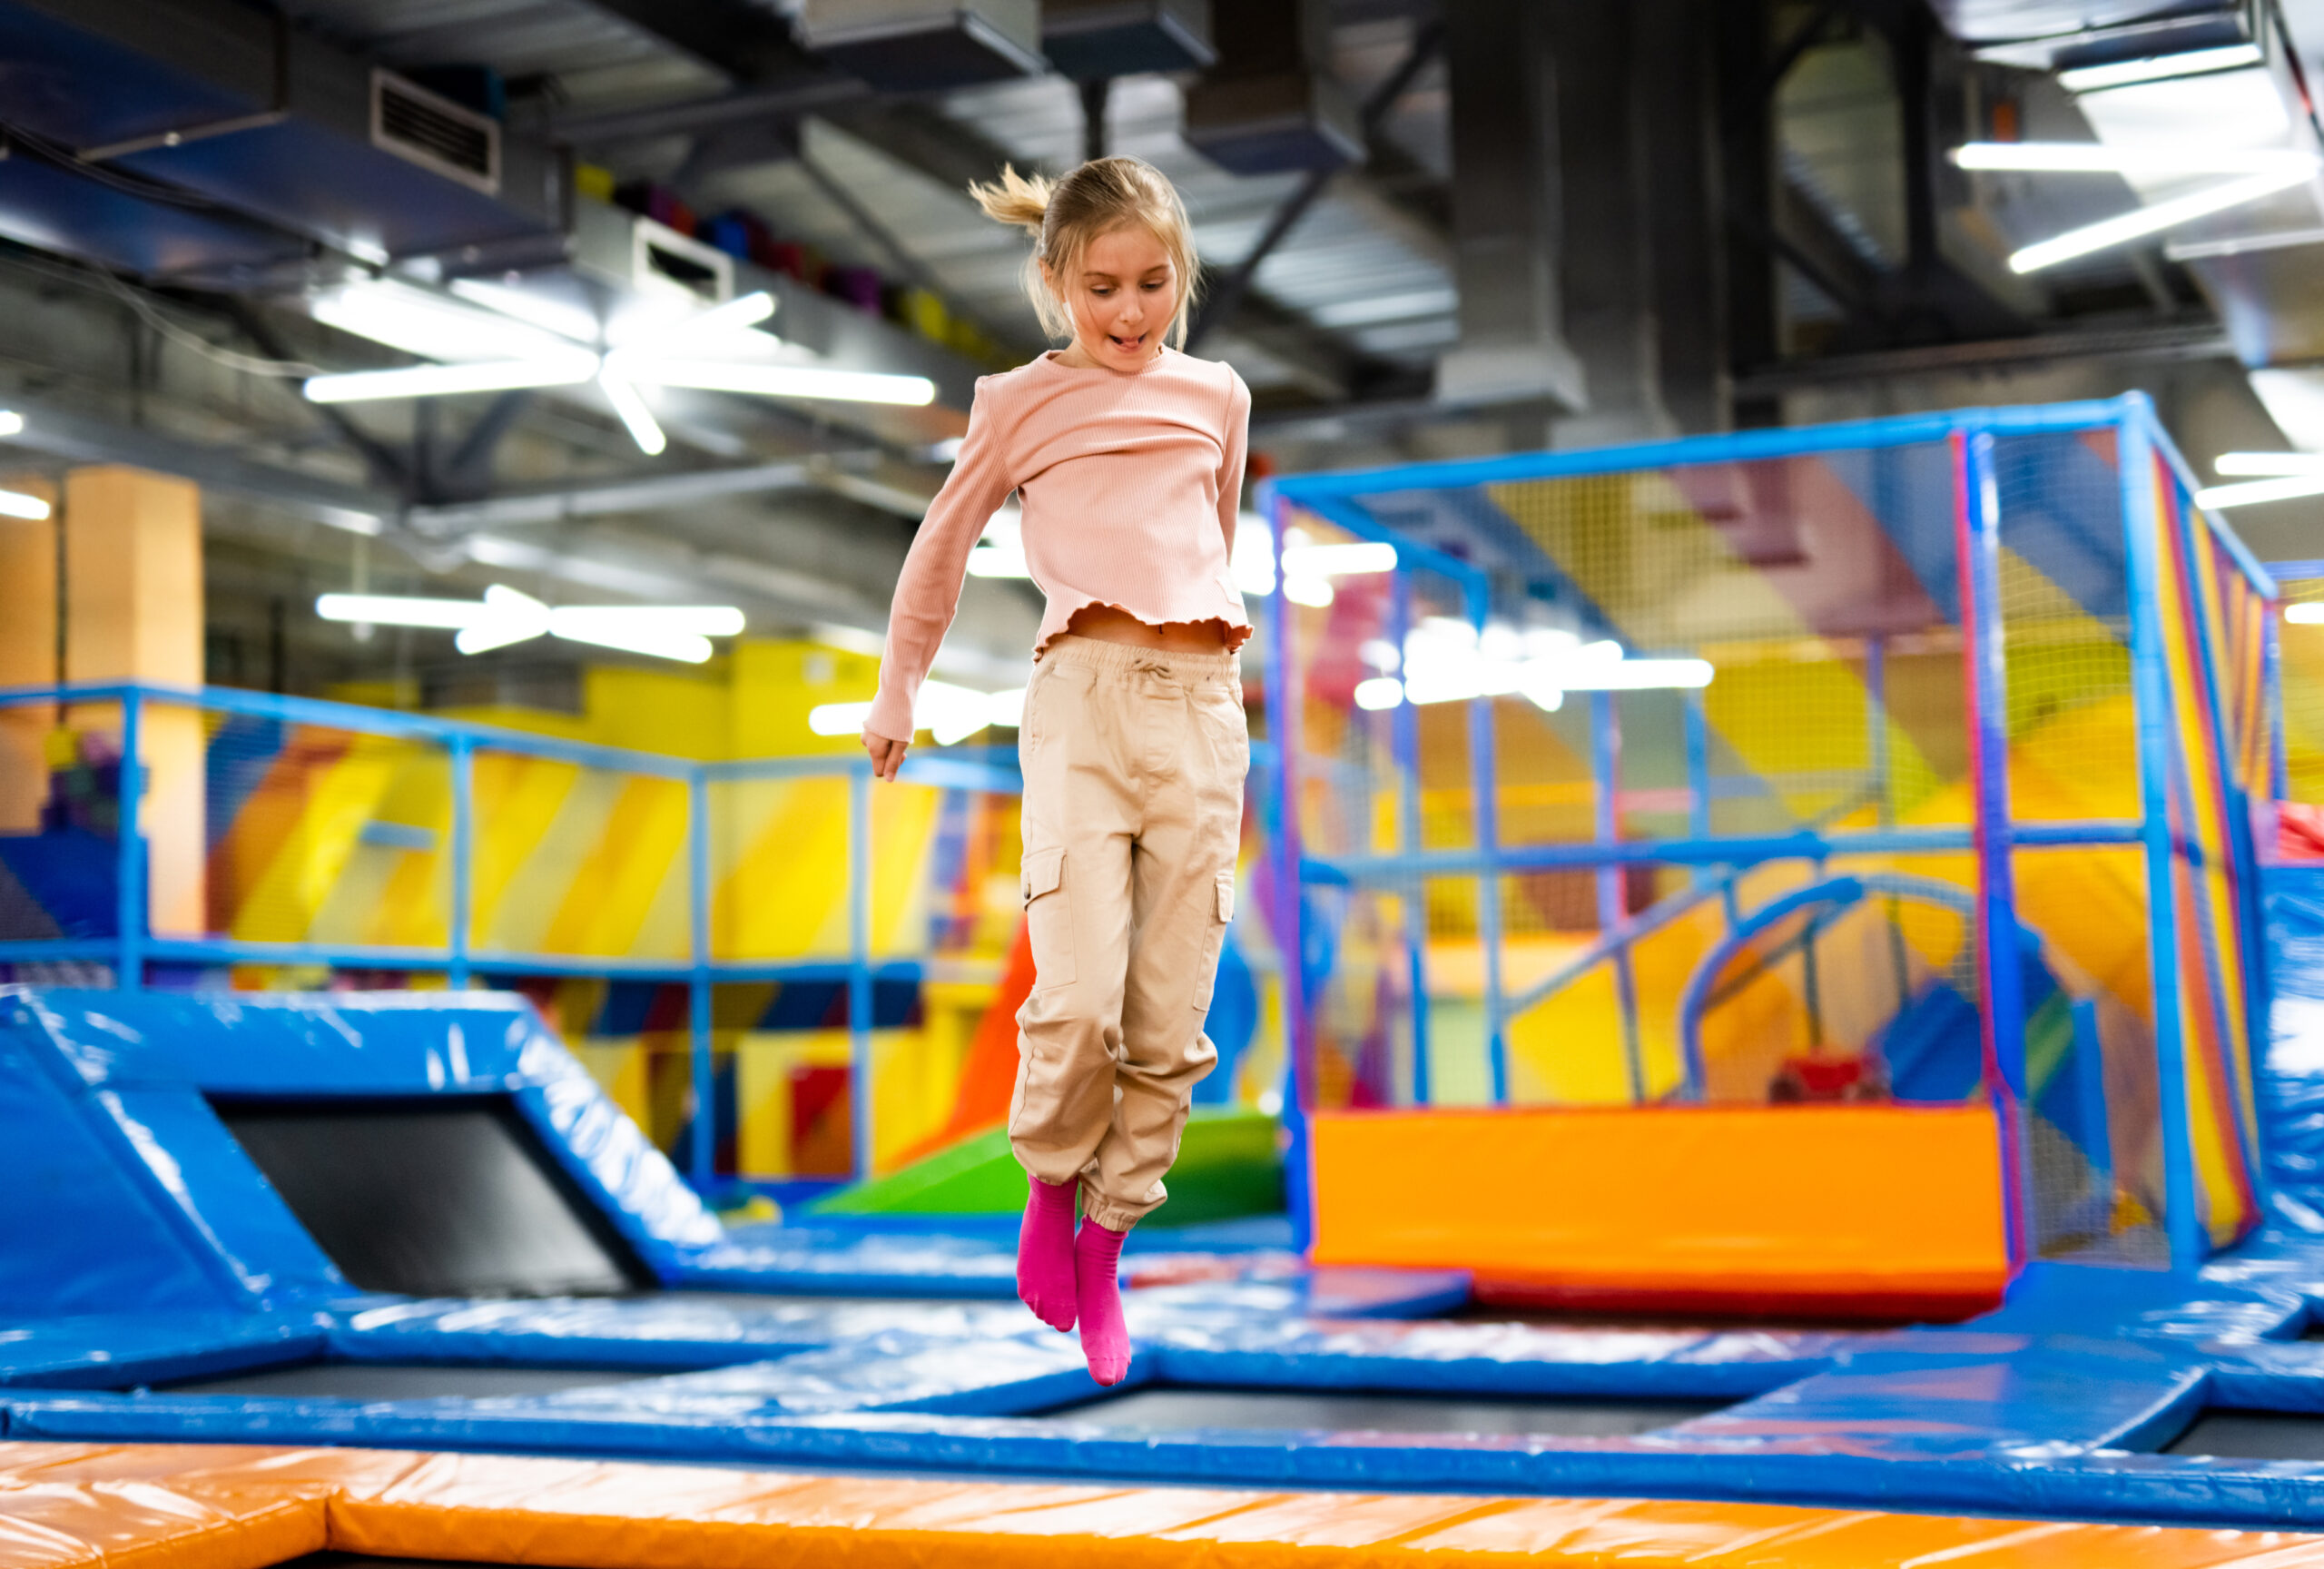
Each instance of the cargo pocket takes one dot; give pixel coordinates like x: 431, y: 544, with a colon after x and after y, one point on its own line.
x: 1222, y: 912
x: 1049, y: 919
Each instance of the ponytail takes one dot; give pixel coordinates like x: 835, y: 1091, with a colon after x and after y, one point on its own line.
x: 1016, y: 198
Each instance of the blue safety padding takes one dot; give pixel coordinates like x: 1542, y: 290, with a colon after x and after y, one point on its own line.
x: 668, y: 1331
x: 221, y: 1195
x: 2291, y: 1078
x: 79, y: 1233
x: 115, y: 1084
x: 2083, y: 1393
x: 815, y: 1261
x: 124, y: 1350
x: 2049, y: 1299
x: 73, y: 876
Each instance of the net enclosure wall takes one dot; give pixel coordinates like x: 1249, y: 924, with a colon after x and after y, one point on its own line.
x: 1906, y: 761
x: 712, y: 912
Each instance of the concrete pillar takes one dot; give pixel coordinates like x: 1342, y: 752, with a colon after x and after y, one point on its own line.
x: 27, y: 655
x: 133, y: 612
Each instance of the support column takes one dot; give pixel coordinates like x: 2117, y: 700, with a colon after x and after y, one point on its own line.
x: 27, y: 655
x: 133, y: 612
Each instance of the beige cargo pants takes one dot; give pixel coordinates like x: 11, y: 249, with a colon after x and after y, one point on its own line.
x: 1133, y: 763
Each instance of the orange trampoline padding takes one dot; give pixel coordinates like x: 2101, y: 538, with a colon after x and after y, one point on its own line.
x: 186, y: 1507
x: 1853, y: 1210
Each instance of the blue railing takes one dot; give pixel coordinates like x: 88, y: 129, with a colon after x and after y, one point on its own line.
x: 132, y: 946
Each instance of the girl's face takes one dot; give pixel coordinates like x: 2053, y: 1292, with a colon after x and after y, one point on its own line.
x: 1122, y: 295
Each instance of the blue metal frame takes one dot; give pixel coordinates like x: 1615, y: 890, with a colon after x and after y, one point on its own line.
x: 1339, y: 498
x: 2151, y: 693
x: 2000, y: 971
x: 135, y: 947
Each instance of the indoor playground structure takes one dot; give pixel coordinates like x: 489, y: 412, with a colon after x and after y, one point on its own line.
x: 1769, y: 943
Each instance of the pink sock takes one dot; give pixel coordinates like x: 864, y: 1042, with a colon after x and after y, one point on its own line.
x: 1044, y: 1254
x: 1097, y: 1281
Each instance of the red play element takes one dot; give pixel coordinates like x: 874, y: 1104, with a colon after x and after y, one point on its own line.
x: 2300, y: 831
x: 1824, y: 1078
x: 989, y: 1077
x: 822, y: 1135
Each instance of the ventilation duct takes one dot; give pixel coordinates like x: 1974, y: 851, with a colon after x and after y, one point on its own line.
x: 435, y: 132
x: 252, y: 117
x: 1271, y: 106
x: 926, y: 45
x: 1089, y: 40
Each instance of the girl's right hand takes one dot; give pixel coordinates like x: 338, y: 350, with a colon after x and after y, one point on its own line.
x: 887, y: 756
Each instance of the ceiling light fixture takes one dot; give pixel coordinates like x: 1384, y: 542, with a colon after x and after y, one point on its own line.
x: 2153, y: 220
x: 2159, y: 67
x: 2100, y: 158
x: 567, y: 368
x: 2310, y: 614
x: 2248, y: 465
x: 16, y: 504
x: 489, y: 350
x: 505, y: 616
x: 2252, y: 492
x: 11, y: 422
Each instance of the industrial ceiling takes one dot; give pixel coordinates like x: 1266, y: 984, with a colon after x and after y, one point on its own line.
x: 1429, y: 226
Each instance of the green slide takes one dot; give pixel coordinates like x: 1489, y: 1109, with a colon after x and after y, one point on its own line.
x: 1227, y: 1167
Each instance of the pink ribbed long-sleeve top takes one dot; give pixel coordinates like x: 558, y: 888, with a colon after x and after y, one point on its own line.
x: 1129, y: 482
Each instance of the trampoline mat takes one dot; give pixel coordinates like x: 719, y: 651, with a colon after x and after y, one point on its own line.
x: 403, y: 1381
x: 436, y: 1197
x: 1302, y: 1410
x: 2234, y: 1435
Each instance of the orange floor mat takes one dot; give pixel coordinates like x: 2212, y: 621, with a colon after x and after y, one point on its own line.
x: 196, y: 1507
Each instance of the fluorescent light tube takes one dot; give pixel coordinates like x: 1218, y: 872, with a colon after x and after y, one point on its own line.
x: 395, y: 610
x: 2249, y: 465
x: 11, y: 422
x: 418, y: 322
x: 998, y: 561
x: 1339, y: 560
x: 2310, y: 614
x: 586, y: 621
x: 509, y: 617
x: 2158, y: 67
x: 565, y: 369
x: 786, y: 381
x: 2100, y: 158
x: 838, y: 718
x: 16, y: 504
x: 1315, y: 593
x: 1379, y: 692
x: 2251, y: 491
x: 2153, y: 220
x: 644, y: 428
x: 685, y: 647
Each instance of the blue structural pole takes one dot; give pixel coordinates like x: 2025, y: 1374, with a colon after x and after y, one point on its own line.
x: 702, y: 1158
x: 1403, y: 725
x: 2001, y: 975
x: 129, y: 893
x: 1484, y: 778
x: 2150, y: 691
x: 858, y: 962
x: 1282, y: 708
x: 460, y: 757
x: 1605, y: 773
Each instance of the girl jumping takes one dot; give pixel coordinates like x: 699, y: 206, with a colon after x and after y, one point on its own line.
x: 1127, y: 457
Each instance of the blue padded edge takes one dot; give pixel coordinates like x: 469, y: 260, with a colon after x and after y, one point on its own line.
x: 116, y: 1350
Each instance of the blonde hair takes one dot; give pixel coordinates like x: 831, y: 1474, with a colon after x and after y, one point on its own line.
x: 1065, y: 216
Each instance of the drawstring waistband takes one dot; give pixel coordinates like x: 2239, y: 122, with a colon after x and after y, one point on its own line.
x: 1128, y: 658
